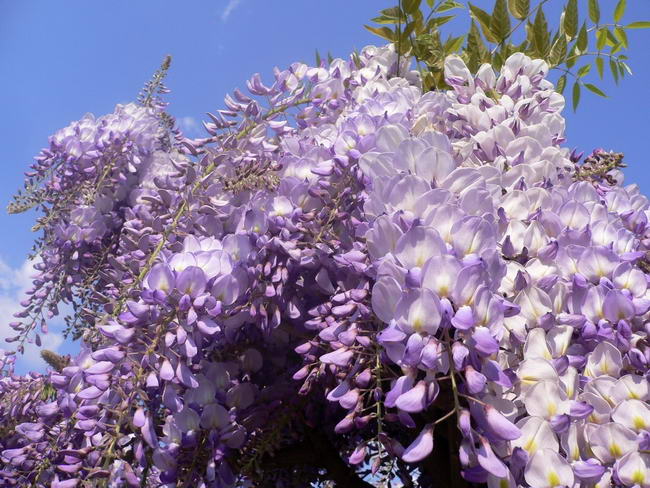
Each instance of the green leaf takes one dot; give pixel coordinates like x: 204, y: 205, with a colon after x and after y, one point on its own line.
x: 453, y: 44
x: 601, y: 38
x: 583, y: 39
x: 476, y: 50
x: 356, y: 59
x: 448, y: 5
x: 384, y: 32
x: 625, y: 66
x: 383, y: 19
x: 318, y: 58
x: 540, y: 34
x: 571, y: 19
x: 519, y: 8
x: 393, y: 12
x: 594, y: 11
x: 411, y: 6
x: 500, y: 22
x: 438, y: 21
x: 576, y: 95
x: 558, y: 51
x: 611, y: 39
x: 600, y: 65
x: 584, y: 71
x: 639, y: 25
x: 595, y: 89
x: 430, y: 3
x: 485, y: 20
x: 614, y: 69
x: 619, y: 11
x: 408, y: 30
x: 561, y: 84
x: 621, y: 36
x: 573, y: 58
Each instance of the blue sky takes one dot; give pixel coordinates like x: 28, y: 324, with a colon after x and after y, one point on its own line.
x: 63, y: 59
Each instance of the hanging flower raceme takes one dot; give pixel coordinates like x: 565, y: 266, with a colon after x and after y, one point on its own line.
x: 358, y: 263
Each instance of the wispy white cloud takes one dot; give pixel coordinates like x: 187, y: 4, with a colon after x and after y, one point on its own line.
x: 14, y: 282
x: 230, y: 7
x: 189, y: 125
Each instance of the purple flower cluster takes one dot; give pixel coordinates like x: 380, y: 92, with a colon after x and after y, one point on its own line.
x: 358, y: 256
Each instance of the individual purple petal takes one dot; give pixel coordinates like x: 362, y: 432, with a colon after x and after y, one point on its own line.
x: 337, y: 393
x: 617, y: 306
x: 416, y: 246
x: 391, y: 334
x: 70, y: 483
x: 475, y: 381
x: 493, y: 372
x: 185, y: 376
x: 191, y: 281
x: 90, y: 393
x: 417, y: 398
x: 489, y: 461
x: 358, y: 455
x: 148, y: 433
x: 340, y: 357
x: 560, y: 423
x: 208, y: 326
x: 463, y: 319
x: 139, y: 417
x: 580, y: 410
x: 484, y: 342
x: 100, y: 367
x: 421, y: 447
x: 112, y: 354
x: 589, y: 470
x: 501, y: 426
x: 400, y: 386
x: 161, y: 277
x: 167, y: 371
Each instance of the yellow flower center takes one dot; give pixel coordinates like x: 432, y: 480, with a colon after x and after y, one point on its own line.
x: 639, y: 423
x: 553, y: 479
x: 615, y: 450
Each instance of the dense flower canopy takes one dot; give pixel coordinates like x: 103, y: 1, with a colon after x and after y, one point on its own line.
x: 343, y: 261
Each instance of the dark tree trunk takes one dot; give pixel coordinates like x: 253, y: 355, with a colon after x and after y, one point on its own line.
x: 317, y: 451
